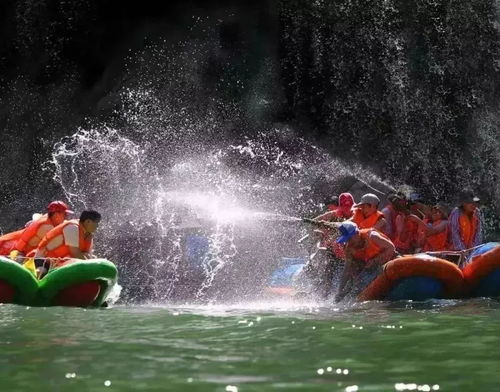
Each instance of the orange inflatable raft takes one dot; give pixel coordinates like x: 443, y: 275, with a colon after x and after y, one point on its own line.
x: 415, y: 277
x: 482, y: 271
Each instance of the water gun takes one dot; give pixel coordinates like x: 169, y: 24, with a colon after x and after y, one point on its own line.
x: 321, y: 223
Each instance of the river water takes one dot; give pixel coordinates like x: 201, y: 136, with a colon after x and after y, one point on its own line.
x: 376, y: 346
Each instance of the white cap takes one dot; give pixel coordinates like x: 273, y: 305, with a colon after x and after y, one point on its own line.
x: 369, y: 198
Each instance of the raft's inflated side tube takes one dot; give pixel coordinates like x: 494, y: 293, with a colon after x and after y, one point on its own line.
x: 482, y: 272
x: 80, y: 283
x: 17, y: 284
x: 416, y: 277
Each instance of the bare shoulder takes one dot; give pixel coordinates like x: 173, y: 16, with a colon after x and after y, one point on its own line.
x: 378, y: 237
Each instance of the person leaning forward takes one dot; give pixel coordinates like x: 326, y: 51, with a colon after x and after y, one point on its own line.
x: 366, y: 251
x: 71, y: 239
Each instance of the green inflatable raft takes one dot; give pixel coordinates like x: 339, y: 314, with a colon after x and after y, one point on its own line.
x: 79, y: 283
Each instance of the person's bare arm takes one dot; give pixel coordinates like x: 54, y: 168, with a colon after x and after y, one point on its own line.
x: 346, y: 272
x: 76, y: 253
x: 327, y: 216
x: 381, y: 225
x: 432, y: 230
x: 351, y: 268
x: 429, y: 230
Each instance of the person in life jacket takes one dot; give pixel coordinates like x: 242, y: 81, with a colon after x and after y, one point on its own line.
x: 366, y: 214
x: 435, y: 229
x: 7, y: 241
x: 329, y: 260
x: 57, y: 213
x: 71, y: 239
x: 346, y: 202
x: 340, y: 213
x: 465, y: 222
x: 407, y: 236
x: 19, y: 243
x: 396, y: 206
x: 366, y: 250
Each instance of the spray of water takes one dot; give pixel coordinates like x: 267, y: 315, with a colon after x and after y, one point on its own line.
x: 200, y: 196
x: 242, y: 198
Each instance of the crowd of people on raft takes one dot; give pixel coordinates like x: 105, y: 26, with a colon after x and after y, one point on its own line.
x: 52, y: 239
x: 360, y: 234
x: 366, y: 237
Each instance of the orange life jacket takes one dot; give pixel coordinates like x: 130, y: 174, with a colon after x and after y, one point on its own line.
x: 7, y: 241
x: 31, y: 237
x: 63, y: 251
x: 371, y: 249
x: 468, y: 228
x: 366, y: 223
x: 408, y: 238
x: 437, y: 242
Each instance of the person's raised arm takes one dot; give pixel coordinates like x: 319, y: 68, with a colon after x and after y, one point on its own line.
x: 429, y: 230
x: 327, y: 216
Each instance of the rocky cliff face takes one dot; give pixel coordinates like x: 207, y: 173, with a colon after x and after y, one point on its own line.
x: 411, y: 87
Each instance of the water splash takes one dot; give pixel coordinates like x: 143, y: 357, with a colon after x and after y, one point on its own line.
x: 181, y: 166
x: 152, y: 205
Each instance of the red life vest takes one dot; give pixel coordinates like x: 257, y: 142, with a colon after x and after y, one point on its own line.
x: 63, y: 251
x: 31, y: 237
x: 468, y: 228
x: 437, y: 242
x: 366, y: 223
x: 408, y: 238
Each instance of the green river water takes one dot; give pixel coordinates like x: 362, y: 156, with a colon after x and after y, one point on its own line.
x: 441, y: 345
